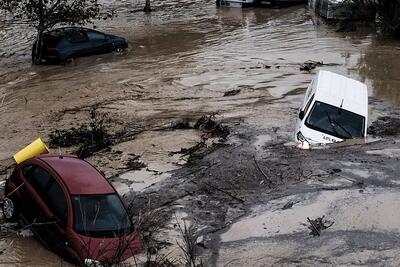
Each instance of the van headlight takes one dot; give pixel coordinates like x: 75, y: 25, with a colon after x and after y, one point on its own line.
x: 301, y: 137
x: 303, y: 141
x: 92, y: 263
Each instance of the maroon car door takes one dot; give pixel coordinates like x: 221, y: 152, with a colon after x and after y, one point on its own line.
x: 46, y: 210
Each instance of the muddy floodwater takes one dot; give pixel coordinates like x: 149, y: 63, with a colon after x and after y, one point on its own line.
x: 182, y: 59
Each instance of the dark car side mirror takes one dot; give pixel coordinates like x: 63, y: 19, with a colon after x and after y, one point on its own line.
x: 301, y: 114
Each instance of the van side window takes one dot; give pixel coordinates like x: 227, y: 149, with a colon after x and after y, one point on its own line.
x: 48, y: 189
x: 308, y: 104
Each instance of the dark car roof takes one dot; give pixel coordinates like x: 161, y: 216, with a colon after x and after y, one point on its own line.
x: 79, y: 176
x: 65, y: 31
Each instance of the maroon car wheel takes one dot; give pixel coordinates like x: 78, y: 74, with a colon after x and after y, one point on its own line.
x: 10, y: 210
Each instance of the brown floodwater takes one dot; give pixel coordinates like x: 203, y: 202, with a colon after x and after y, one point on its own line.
x: 182, y: 58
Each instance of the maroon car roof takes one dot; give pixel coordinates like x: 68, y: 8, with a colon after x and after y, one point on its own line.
x: 79, y: 176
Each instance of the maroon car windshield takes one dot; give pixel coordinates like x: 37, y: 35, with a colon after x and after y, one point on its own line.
x: 100, y: 215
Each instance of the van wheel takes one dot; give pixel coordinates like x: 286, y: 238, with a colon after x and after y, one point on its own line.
x: 10, y: 210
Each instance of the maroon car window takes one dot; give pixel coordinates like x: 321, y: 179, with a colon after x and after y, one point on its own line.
x: 100, y: 215
x: 57, y: 201
x: 38, y: 178
x: 48, y: 189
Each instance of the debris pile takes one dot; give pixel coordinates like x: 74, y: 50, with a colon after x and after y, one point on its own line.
x: 89, y: 137
x: 310, y: 65
x: 385, y: 126
x: 134, y: 163
x: 208, y: 124
x: 317, y: 225
x: 210, y: 128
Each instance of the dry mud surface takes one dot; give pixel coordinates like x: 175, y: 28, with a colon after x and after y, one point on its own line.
x: 249, y: 194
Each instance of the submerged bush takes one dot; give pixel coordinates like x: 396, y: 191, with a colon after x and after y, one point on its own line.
x: 90, y: 137
x: 385, y: 13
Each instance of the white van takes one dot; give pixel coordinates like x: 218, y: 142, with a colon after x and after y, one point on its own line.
x: 335, y: 108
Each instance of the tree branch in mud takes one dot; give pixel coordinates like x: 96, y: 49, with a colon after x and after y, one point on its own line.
x: 262, y: 172
x: 43, y: 15
x: 317, y: 225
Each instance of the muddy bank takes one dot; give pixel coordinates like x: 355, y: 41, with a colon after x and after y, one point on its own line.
x: 224, y: 191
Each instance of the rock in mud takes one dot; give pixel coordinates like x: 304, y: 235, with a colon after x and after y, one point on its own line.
x: 310, y: 65
x: 232, y: 92
x: 288, y: 205
x: 385, y: 126
x: 181, y: 125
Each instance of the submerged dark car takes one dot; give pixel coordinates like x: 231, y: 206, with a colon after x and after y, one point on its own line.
x: 72, y: 209
x: 63, y: 44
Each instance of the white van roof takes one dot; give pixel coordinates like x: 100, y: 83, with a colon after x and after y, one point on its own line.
x: 338, y: 90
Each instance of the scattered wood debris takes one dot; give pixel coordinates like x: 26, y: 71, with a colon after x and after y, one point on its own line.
x: 318, y: 224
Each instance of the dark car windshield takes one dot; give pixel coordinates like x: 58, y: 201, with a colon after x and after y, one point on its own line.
x: 335, y: 121
x: 100, y: 215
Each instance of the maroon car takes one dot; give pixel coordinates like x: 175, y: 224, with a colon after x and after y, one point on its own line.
x: 72, y: 209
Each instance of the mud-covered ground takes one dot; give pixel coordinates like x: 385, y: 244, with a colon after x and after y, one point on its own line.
x: 184, y: 61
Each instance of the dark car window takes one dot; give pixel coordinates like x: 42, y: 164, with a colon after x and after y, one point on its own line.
x: 50, y: 41
x: 96, y: 36
x: 78, y: 37
x: 100, y: 215
x: 48, y: 189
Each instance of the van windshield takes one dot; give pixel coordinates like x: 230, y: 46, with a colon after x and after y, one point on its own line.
x: 100, y: 215
x: 335, y: 121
